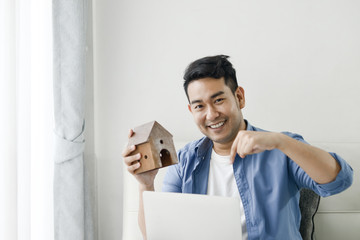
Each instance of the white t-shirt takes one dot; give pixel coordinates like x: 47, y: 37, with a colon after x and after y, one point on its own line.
x: 222, y: 183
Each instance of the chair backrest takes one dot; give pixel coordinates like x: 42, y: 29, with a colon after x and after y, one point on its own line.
x: 309, y: 204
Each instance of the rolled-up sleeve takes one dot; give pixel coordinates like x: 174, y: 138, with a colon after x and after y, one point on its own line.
x: 342, y: 181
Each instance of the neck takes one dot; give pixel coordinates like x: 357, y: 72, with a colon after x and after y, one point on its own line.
x: 223, y: 149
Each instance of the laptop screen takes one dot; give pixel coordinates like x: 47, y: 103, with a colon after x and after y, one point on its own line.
x: 179, y: 216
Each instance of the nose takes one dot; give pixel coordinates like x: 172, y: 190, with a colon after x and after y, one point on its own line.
x: 212, y: 113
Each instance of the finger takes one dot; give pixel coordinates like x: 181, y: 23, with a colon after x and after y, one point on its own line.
x: 131, y: 132
x: 235, y: 147
x: 249, y: 147
x: 128, y: 150
x: 132, y: 168
x: 131, y: 159
x: 233, y: 150
x: 243, y: 149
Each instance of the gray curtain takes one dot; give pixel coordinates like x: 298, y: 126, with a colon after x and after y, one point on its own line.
x: 72, y: 210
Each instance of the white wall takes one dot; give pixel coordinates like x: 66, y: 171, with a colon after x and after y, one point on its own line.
x: 297, y: 60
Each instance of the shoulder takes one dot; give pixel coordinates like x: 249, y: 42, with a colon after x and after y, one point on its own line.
x: 191, y: 148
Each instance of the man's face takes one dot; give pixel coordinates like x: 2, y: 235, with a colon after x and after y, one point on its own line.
x: 216, y: 110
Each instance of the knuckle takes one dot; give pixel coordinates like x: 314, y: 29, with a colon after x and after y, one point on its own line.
x: 131, y: 168
x: 123, y: 154
x: 129, y: 160
x: 129, y: 149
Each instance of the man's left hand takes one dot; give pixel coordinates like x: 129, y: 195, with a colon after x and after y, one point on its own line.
x: 251, y: 142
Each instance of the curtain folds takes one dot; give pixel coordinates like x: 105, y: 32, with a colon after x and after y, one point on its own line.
x: 70, y: 198
x: 8, y: 177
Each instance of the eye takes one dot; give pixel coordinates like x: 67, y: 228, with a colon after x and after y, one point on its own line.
x: 219, y: 100
x: 198, y: 107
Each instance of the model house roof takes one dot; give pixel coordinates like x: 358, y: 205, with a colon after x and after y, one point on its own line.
x: 143, y: 133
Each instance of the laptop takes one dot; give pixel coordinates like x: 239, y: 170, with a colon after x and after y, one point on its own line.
x: 180, y: 216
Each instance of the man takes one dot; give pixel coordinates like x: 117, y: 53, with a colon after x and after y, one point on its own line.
x: 264, y: 169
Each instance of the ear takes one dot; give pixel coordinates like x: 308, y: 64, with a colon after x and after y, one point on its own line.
x: 240, y: 97
x: 189, y: 107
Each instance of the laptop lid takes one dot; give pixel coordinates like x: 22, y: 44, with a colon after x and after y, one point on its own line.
x: 179, y: 216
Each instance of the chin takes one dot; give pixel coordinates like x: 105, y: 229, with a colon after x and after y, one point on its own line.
x: 218, y: 139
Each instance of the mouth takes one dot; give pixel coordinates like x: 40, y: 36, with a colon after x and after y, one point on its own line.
x: 217, y: 125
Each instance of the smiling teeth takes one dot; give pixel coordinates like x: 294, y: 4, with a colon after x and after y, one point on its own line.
x: 217, y: 125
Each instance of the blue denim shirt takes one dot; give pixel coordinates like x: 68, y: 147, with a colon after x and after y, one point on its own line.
x: 268, y: 183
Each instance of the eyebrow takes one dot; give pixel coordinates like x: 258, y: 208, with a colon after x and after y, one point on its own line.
x: 212, y: 97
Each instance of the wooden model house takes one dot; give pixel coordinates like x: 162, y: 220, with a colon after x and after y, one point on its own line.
x: 156, y: 146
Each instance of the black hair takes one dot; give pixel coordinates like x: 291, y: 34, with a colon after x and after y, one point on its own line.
x: 214, y: 67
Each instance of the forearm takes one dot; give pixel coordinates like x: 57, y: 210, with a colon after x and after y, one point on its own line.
x: 141, y: 216
x: 317, y: 163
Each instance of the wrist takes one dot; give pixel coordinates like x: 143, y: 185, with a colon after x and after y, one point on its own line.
x: 145, y: 187
x: 281, y: 143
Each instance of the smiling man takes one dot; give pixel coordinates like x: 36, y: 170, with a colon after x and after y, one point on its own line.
x: 217, y: 110
x: 265, y: 170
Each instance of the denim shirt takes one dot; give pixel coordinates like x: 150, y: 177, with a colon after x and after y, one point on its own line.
x: 268, y: 183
